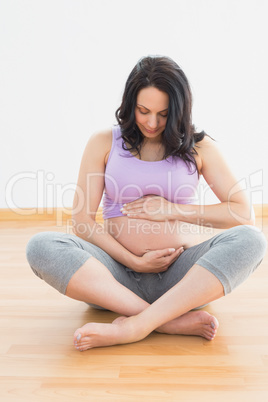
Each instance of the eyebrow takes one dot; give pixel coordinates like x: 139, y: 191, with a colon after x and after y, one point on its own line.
x: 149, y: 109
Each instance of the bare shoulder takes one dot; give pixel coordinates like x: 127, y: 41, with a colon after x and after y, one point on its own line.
x: 206, y: 144
x: 99, y: 144
x: 206, y: 149
x: 102, y: 137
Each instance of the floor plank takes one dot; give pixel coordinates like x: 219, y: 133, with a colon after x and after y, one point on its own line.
x: 38, y: 362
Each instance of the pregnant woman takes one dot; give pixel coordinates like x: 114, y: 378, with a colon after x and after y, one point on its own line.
x: 145, y: 262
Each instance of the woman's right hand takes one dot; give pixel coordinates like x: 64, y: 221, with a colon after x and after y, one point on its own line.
x: 155, y: 261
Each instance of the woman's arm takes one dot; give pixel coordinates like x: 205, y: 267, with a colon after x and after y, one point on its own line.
x: 234, y: 208
x: 88, y: 194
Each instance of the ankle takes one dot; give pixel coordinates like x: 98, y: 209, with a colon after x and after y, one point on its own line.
x: 134, y: 328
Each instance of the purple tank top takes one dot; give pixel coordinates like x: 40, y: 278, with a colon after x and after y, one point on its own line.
x: 128, y: 178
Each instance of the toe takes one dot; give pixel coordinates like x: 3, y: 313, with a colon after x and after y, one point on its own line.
x: 207, y: 334
x: 214, y: 323
x: 85, y: 342
x: 77, y: 335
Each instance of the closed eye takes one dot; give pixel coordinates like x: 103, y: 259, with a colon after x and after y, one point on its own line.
x: 143, y: 112
x: 162, y: 115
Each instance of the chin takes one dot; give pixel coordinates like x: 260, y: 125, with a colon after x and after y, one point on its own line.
x: 151, y: 134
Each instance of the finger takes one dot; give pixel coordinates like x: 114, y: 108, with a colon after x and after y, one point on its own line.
x: 173, y: 256
x: 131, y: 204
x: 166, y: 261
x: 178, y: 252
x: 132, y: 211
x: 139, y: 202
x: 165, y: 252
x: 159, y: 269
x: 141, y: 215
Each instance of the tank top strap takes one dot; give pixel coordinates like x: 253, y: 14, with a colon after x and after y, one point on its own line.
x: 117, y: 143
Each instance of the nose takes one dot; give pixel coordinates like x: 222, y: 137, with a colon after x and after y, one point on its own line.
x: 152, y: 122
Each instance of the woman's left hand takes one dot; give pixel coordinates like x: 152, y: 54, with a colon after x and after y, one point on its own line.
x: 150, y: 207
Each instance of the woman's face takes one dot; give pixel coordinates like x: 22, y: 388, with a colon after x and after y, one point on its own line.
x: 151, y: 111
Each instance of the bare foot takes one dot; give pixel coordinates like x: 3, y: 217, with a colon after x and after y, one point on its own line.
x: 199, y: 323
x: 94, y: 335
x: 126, y: 330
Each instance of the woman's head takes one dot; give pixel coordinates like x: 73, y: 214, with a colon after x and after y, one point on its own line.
x: 151, y: 112
x: 163, y: 74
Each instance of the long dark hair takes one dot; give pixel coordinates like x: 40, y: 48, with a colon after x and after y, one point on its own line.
x: 179, y: 136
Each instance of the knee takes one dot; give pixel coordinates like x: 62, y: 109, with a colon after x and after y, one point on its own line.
x: 44, y: 244
x: 35, y: 247
x: 46, y: 250
x: 39, y: 250
x: 35, y: 250
x: 253, y: 240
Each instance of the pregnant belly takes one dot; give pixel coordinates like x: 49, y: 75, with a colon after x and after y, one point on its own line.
x: 140, y: 236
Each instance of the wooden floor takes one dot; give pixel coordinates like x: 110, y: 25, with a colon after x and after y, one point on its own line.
x: 38, y: 362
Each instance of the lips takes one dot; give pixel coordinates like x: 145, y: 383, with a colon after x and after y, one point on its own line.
x: 150, y: 131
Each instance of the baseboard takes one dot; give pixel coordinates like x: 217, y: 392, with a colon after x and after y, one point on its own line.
x: 64, y: 214
x: 59, y: 215
x: 261, y: 210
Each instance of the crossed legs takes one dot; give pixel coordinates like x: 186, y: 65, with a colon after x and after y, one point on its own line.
x: 63, y: 260
x: 169, y: 314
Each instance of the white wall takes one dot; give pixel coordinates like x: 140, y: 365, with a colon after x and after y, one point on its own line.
x: 63, y: 65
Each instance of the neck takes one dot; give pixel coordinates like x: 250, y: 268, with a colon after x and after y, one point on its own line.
x: 155, y: 140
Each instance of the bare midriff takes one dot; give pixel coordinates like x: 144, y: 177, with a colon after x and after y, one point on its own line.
x: 140, y: 236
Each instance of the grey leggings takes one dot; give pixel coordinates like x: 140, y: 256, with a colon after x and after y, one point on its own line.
x: 231, y: 256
